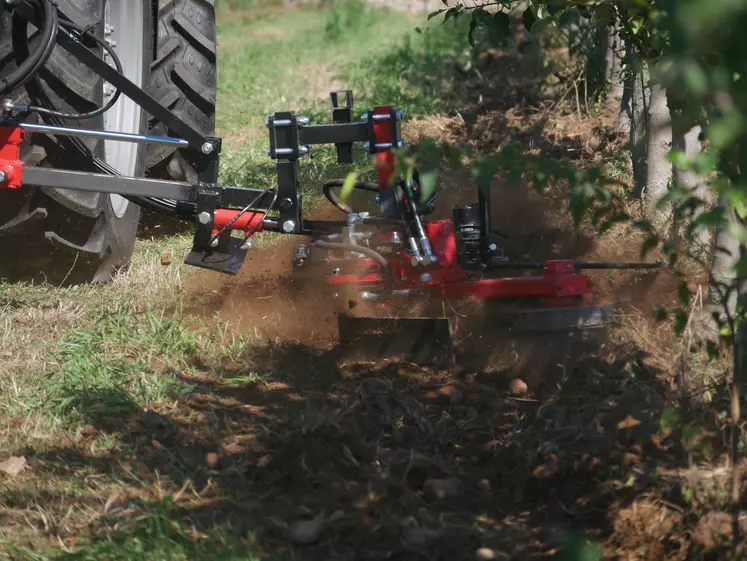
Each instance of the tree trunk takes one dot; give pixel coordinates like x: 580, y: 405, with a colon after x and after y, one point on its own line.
x: 700, y: 244
x: 625, y: 111
x: 613, y: 66
x: 658, y: 168
x: 726, y: 253
x: 639, y: 124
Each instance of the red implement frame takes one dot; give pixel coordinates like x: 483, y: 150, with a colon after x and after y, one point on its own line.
x: 10, y: 157
x: 558, y: 283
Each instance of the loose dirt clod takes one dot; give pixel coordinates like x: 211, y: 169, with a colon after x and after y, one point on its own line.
x: 440, y: 489
x: 419, y: 538
x: 306, y: 532
x: 13, y: 465
x: 484, y: 485
x: 487, y: 554
x: 518, y: 387
x: 212, y: 460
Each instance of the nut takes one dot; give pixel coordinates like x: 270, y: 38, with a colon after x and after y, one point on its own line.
x: 204, y: 218
x: 208, y: 148
x: 289, y: 226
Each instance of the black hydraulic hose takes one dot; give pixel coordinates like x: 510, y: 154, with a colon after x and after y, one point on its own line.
x: 96, y: 112
x: 339, y: 203
x: 28, y: 68
x: 376, y: 256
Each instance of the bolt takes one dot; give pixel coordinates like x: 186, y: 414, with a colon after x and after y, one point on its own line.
x: 364, y: 117
x: 303, y: 150
x: 336, y: 271
x: 269, y: 151
x: 286, y: 204
x: 214, y: 243
x: 204, y: 218
x: 302, y: 120
x: 11, y: 3
x: 366, y: 145
x: 396, y: 237
x: 289, y: 226
x: 8, y: 105
x: 267, y: 122
x: 3, y: 176
x: 400, y: 143
x: 426, y: 277
x: 208, y: 148
x: 492, y: 247
x: 400, y: 114
x: 247, y: 245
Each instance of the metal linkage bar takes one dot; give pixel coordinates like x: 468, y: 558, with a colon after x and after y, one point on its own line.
x: 107, y: 135
x: 101, y: 183
x: 340, y: 133
x: 73, y: 45
x: 138, y: 187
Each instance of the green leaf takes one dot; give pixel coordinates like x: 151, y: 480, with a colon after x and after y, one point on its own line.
x: 482, y: 171
x: 705, y: 162
x: 689, y: 494
x: 684, y: 294
x: 529, y: 19
x: 348, y: 185
x: 678, y: 157
x: 636, y: 24
x: 688, y: 433
x: 501, y: 25
x: 650, y: 243
x: 734, y: 198
x: 434, y: 14
x: 722, y: 132
x: 675, y: 195
x: 514, y: 175
x: 428, y: 181
x: 680, y: 322
x: 472, y: 28
x: 667, y: 419
x: 612, y: 220
x: 660, y: 315
x: 713, y: 217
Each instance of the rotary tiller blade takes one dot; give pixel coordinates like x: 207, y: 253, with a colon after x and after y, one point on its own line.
x: 424, y: 341
x: 563, y: 318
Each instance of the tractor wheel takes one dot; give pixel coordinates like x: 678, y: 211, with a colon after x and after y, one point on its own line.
x: 166, y: 47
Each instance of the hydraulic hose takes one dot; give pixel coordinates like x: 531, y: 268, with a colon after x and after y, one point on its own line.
x: 28, y: 68
x: 339, y: 203
x: 376, y: 256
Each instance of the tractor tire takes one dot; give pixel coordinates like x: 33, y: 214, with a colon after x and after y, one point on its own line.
x: 72, y: 237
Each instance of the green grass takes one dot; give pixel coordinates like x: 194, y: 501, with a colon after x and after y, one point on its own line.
x: 278, y: 61
x: 156, y: 533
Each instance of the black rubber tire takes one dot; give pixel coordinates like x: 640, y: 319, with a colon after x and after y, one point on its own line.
x: 183, y: 78
x: 71, y: 237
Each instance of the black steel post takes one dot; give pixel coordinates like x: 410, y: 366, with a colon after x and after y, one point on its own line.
x: 483, y: 199
x: 342, y: 114
x: 286, y: 148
